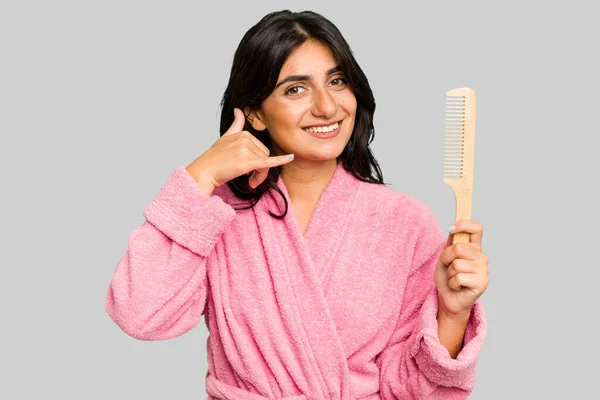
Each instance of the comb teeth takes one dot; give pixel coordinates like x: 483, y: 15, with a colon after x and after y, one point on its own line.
x: 454, y: 139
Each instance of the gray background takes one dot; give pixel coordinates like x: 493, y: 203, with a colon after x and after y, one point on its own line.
x: 101, y: 101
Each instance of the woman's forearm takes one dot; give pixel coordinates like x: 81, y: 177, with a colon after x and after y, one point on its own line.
x: 451, y: 332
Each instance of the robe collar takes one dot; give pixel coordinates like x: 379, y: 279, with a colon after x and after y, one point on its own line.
x: 302, y: 265
x: 328, y: 222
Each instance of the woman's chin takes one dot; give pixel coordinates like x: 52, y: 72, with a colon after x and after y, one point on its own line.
x: 323, y: 156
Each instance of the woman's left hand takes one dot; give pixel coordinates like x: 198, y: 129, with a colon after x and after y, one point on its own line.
x: 462, y: 271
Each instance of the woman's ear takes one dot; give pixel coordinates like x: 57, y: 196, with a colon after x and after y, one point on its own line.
x: 255, y: 118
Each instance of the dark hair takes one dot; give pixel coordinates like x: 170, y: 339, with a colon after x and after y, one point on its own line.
x: 256, y: 66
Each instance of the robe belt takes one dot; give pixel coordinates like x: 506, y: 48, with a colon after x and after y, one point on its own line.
x: 222, y: 391
x: 218, y: 390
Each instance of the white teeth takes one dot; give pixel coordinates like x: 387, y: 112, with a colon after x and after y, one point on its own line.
x: 322, y: 129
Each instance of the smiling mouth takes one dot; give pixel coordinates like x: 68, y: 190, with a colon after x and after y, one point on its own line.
x: 323, y: 129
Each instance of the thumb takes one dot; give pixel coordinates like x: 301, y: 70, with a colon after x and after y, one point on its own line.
x: 238, y: 122
x: 448, y: 241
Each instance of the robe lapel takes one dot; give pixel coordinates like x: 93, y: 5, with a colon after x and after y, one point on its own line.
x: 329, y: 222
x: 299, y: 266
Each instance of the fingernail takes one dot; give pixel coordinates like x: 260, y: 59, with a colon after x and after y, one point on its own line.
x: 234, y: 114
x: 450, y: 228
x: 290, y: 156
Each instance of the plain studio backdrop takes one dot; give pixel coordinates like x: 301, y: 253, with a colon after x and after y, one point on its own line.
x: 101, y: 101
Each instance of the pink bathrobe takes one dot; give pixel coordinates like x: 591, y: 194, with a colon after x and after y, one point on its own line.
x: 346, y: 311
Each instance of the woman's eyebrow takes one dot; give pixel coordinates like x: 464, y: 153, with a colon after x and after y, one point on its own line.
x: 294, y: 78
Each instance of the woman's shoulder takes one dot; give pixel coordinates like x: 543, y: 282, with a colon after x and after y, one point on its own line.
x: 410, y: 219
x: 393, y: 199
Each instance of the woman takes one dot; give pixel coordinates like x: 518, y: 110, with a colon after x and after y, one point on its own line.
x: 316, y: 281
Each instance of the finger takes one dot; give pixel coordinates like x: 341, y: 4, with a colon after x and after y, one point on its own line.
x: 474, y: 228
x: 466, y: 266
x: 270, y: 162
x: 247, y: 151
x: 448, y: 241
x: 472, y: 282
x: 238, y: 123
x: 258, y: 145
x: 465, y: 251
x: 258, y: 176
x: 246, y: 139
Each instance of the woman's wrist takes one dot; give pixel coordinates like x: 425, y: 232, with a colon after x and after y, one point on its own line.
x: 451, y: 331
x: 205, y: 184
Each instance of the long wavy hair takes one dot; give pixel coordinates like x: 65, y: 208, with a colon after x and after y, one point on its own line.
x: 256, y: 66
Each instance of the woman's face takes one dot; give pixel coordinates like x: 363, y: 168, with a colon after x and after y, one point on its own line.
x: 310, y: 92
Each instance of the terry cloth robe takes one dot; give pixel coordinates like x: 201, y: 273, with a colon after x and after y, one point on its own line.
x: 345, y: 311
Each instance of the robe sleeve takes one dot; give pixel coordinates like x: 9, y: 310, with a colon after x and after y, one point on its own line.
x: 159, y: 287
x: 414, y: 364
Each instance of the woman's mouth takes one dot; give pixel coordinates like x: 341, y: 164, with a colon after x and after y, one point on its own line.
x: 325, y: 132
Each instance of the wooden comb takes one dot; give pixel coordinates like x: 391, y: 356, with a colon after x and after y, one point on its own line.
x: 459, y: 152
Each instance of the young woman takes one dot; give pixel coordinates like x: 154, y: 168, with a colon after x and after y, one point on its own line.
x: 316, y: 280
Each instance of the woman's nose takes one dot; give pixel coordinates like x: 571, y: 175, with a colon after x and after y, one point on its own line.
x: 323, y: 103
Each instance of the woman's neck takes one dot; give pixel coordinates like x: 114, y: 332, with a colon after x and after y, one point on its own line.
x: 306, y: 181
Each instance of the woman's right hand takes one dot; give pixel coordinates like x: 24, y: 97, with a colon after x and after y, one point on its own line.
x: 236, y: 152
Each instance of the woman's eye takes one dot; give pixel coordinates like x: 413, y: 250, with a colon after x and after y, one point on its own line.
x: 293, y: 90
